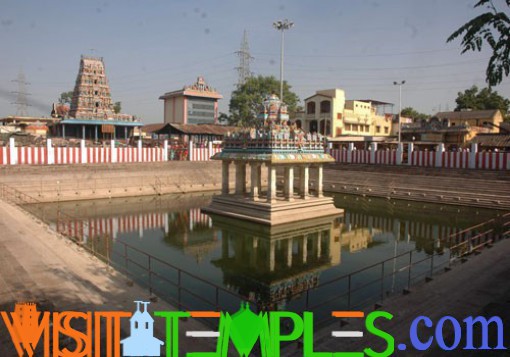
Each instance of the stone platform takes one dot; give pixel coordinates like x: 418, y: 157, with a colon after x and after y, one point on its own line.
x: 280, y: 211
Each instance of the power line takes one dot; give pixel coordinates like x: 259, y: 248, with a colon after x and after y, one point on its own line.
x: 244, y: 61
x: 21, y: 95
x: 389, y: 54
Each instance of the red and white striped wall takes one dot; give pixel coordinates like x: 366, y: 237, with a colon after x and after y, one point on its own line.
x: 24, y: 155
x: 381, y: 157
x: 386, y: 157
x: 73, y: 155
x: 203, y: 154
x: 423, y: 158
x: 67, y: 156
x: 196, y: 216
x: 492, y: 160
x: 455, y: 160
x: 360, y: 157
x: 339, y: 155
x: 97, y: 227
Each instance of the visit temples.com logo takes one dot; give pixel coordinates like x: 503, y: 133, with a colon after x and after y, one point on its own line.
x: 84, y: 334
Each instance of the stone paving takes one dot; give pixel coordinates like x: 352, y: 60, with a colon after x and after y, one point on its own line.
x: 37, y: 265
x: 479, y: 286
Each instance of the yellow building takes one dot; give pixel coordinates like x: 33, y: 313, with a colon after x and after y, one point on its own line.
x: 329, y: 113
x: 490, y: 119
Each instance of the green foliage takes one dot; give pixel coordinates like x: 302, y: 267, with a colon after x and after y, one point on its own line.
x: 492, y: 28
x: 246, y: 100
x: 65, y: 97
x: 409, y: 112
x: 223, y: 118
x: 117, y: 107
x: 486, y: 98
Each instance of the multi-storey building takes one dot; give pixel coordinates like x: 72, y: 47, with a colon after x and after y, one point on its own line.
x: 329, y: 113
x: 490, y: 119
x: 194, y: 104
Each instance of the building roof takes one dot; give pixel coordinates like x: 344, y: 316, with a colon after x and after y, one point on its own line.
x: 197, y: 89
x: 373, y: 102
x: 153, y: 128
x: 27, y: 120
x: 100, y: 122
x: 492, y: 140
x: 361, y: 138
x: 318, y: 94
x: 191, y: 93
x: 189, y: 129
x: 468, y: 114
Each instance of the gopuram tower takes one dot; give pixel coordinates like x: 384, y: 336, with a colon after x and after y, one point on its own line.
x: 284, y: 150
x: 91, y: 97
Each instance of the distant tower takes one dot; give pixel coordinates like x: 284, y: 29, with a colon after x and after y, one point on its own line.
x: 21, y: 95
x: 244, y: 61
x: 91, y: 97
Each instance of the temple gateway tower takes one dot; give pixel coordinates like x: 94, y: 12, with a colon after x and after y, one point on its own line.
x: 91, y: 96
x: 92, y: 115
x: 286, y: 151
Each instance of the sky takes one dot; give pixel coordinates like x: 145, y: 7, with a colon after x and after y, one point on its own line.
x: 154, y: 46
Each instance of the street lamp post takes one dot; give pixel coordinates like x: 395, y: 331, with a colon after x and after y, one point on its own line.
x: 282, y: 25
x: 399, y: 84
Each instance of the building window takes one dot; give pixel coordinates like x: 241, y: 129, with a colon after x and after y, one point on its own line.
x: 386, y: 130
x: 378, y: 129
x: 328, y: 128
x: 325, y: 106
x: 355, y: 127
x: 348, y: 127
x: 313, y: 126
x: 310, y: 108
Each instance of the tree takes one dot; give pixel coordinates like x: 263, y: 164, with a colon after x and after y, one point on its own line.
x: 66, y: 97
x: 223, y: 118
x: 492, y: 28
x: 245, y: 101
x: 117, y: 107
x: 409, y: 112
x: 486, y: 98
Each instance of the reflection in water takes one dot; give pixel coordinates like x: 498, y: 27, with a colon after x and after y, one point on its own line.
x: 270, y: 267
x: 191, y: 231
x: 168, y: 244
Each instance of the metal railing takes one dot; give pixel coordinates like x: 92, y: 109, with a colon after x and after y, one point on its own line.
x: 358, y: 289
x: 374, y: 283
x: 161, y: 278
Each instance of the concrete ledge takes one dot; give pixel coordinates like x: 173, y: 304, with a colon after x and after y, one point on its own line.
x: 277, y: 213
